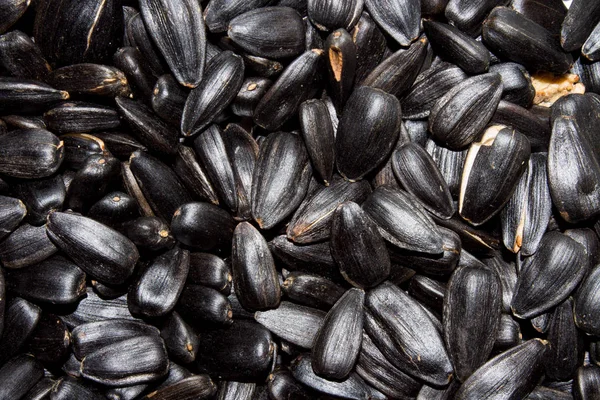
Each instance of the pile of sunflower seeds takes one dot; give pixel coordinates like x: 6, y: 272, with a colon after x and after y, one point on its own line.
x: 299, y: 199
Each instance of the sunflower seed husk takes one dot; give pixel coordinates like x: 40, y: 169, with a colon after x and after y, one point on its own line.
x: 242, y: 352
x: 199, y: 305
x: 20, y: 319
x: 79, y: 117
x: 27, y: 245
x: 114, y: 209
x: 413, y: 336
x: 23, y: 122
x: 12, y: 212
x: 589, y: 240
x: 28, y: 96
x: 429, y: 185
x: 90, y: 79
x: 91, y: 336
x: 294, y: 323
x: 93, y: 308
x: 270, y: 32
x: 314, y: 257
x: 180, y: 339
x: 472, y: 293
x: 526, y: 215
x: 556, y: 268
x: 203, y: 226
x: 136, y: 35
x: 509, y: 334
x: 51, y: 341
x: 254, y: 275
x: 377, y: 371
x: 397, y: 73
x: 572, y: 167
x: 512, y: 36
x: 330, y: 15
x: 417, y: 233
x: 452, y: 44
x: 211, y: 271
x: 398, y: 18
x: 549, y: 14
x: 158, y: 288
x: 67, y: 31
x: 430, y: 85
x: 451, y: 118
x: 336, y: 346
x: 195, y: 387
x: 218, y: 13
x: 252, y: 90
x: 193, y: 175
x: 370, y: 46
x: 449, y: 162
x: 428, y: 292
x: 100, y: 251
x: 159, y: 184
x: 435, y: 393
x: 135, y: 67
x: 468, y: 15
x: 11, y: 11
x: 490, y: 177
x: 524, y: 121
x: 220, y: 84
x: 231, y: 390
x: 311, y: 290
x: 586, y: 383
x: 168, y: 99
x: 137, y: 360
x: 90, y: 183
x: 365, y: 138
x: 180, y: 37
x: 21, y: 57
x: 366, y: 263
x: 341, y: 66
x: 586, y: 303
x: 212, y: 154
x: 591, y: 47
x: 149, y: 232
x: 152, y: 132
x: 579, y: 22
x: 69, y: 388
x: 280, y: 179
x: 55, y: 280
x: 18, y: 375
x: 352, y: 387
x: 282, y: 385
x: 512, y: 374
x: 517, y: 87
x: 312, y: 220
x: 298, y: 83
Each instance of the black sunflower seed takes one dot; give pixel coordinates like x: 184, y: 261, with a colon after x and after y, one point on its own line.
x: 27, y: 245
x: 149, y: 232
x: 398, y: 18
x: 28, y: 96
x: 11, y: 11
x: 586, y: 304
x: 180, y: 339
x: 202, y: 225
x: 370, y: 46
x: 102, y: 252
x: 21, y: 317
x: 556, y: 268
x: 12, y: 212
x: 578, y: 24
x: 21, y: 57
x: 270, y: 32
x: 178, y: 31
x: 218, y: 13
x: 209, y: 270
x: 90, y: 79
x: 197, y: 387
x: 311, y: 290
x: 18, y: 375
x: 168, y: 99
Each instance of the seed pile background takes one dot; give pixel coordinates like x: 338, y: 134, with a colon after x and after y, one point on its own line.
x: 299, y: 199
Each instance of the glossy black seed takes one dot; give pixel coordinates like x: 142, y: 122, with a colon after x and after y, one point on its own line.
x: 578, y: 24
x: 298, y: 83
x: 280, y: 179
x: 168, y: 99
x: 549, y: 14
x: 180, y: 339
x: 90, y: 183
x: 294, y: 323
x: 222, y: 80
x: 254, y: 275
x: 271, y: 32
x: 114, y: 209
x: 511, y: 35
x: 193, y: 175
x: 154, y: 133
x: 102, y: 252
x: 157, y: 290
x: 160, y: 186
x: 398, y: 18
x: 203, y: 226
x: 134, y: 66
x: 21, y: 57
x: 90, y: 79
x: 72, y: 31
x: 586, y: 304
x: 341, y: 66
x: 12, y: 212
x: 21, y: 317
x: 252, y: 90
x: 370, y: 46
x: 218, y: 13
x: 312, y: 220
x: 11, y: 11
x: 200, y: 305
x: 332, y: 14
x: 512, y: 374
x: 468, y: 15
x: 195, y: 387
x: 311, y: 290
x: 27, y: 245
x: 241, y: 352
x: 149, y: 232
x: 557, y: 268
x: 357, y: 247
x: 586, y: 382
x: 178, y: 31
x: 338, y: 343
x: 19, y: 375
